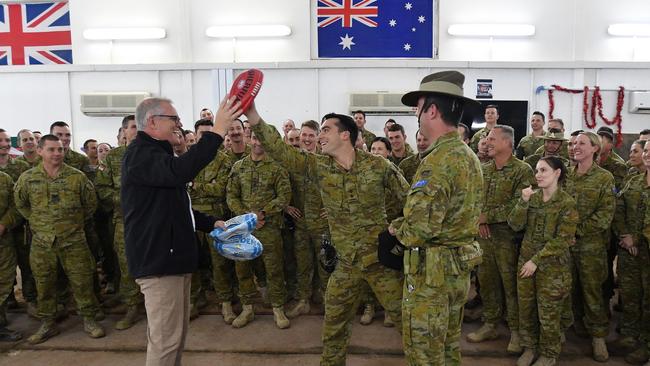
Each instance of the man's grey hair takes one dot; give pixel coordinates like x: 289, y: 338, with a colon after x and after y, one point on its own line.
x: 147, y: 108
x: 18, y: 134
x: 508, y: 133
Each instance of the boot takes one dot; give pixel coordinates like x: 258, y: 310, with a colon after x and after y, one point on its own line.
x: 637, y: 357
x: 93, y: 328
x: 600, y: 349
x: 246, y: 316
x: 514, y: 348
x: 388, y: 322
x: 527, y: 358
x: 302, y: 307
x: 227, y: 313
x: 280, y: 319
x: 487, y: 332
x: 624, y: 344
x: 545, y: 361
x: 32, y: 310
x: 194, y: 311
x: 130, y: 318
x: 368, y: 314
x: 47, y: 330
x: 8, y: 335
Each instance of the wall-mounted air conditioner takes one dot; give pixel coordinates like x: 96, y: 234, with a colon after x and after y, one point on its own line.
x: 111, y: 103
x: 379, y: 103
x: 639, y: 102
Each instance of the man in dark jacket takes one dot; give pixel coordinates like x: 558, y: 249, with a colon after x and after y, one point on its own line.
x: 159, y: 223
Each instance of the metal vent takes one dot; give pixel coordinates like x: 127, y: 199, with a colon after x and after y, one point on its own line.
x: 379, y: 103
x: 111, y: 104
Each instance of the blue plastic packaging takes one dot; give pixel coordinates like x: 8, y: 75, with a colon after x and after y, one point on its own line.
x: 236, y: 241
x: 238, y: 225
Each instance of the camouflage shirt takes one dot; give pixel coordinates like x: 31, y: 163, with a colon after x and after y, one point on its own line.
x: 528, y: 145
x: 368, y: 137
x: 353, y: 199
x: 564, y: 150
x: 79, y: 162
x: 238, y: 156
x: 108, y: 181
x: 9, y: 217
x: 306, y: 196
x: 57, y: 208
x: 15, y: 168
x: 409, y: 166
x: 631, y: 204
x: 502, y: 188
x: 30, y: 163
x: 444, y: 203
x: 615, y: 165
x: 395, y: 160
x: 473, y: 143
x: 259, y: 186
x: 550, y: 227
x: 208, y: 190
x: 594, y: 195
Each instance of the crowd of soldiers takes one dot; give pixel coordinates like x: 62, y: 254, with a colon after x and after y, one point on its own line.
x: 65, y: 231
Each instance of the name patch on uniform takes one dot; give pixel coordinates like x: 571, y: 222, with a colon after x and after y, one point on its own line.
x: 420, y: 183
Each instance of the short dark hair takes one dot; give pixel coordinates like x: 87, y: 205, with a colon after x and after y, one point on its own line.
x: 58, y: 124
x: 390, y: 120
x: 556, y: 163
x: 384, y: 140
x: 202, y: 122
x: 450, y: 108
x: 48, y: 137
x: 558, y: 120
x: 576, y: 132
x: 2, y: 130
x: 345, y: 123
x: 645, y: 132
x: 35, y: 132
x: 240, y: 122
x: 538, y: 113
x: 126, y: 119
x: 640, y: 142
x: 359, y: 111
x: 88, y: 142
x: 185, y: 132
x: 397, y: 127
x: 311, y: 124
x: 205, y: 109
x: 492, y: 106
x: 465, y: 129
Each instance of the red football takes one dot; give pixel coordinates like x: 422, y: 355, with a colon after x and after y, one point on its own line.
x: 246, y: 86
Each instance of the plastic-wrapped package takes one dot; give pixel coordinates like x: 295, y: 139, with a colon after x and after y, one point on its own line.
x: 236, y: 242
x: 238, y: 225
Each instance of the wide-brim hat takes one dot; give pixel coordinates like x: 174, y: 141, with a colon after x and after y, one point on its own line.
x: 448, y: 83
x: 554, y: 136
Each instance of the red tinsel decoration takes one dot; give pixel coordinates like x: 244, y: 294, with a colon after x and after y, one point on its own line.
x: 596, y: 104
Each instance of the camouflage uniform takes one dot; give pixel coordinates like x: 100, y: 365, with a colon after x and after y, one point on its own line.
x: 9, y: 218
x: 30, y: 163
x: 368, y: 137
x: 238, y: 156
x: 108, y: 184
x: 528, y: 145
x: 594, y: 194
x: 409, y: 166
x: 439, y: 225
x: 208, y: 194
x: 564, y: 150
x: 497, y: 273
x: 473, y: 143
x: 615, y: 165
x: 633, y: 271
x: 550, y: 229
x: 261, y: 186
x: 57, y: 209
x: 395, y: 160
x: 17, y: 238
x: 353, y: 201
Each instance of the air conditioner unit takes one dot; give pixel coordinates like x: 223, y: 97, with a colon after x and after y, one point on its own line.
x: 639, y: 102
x: 379, y: 103
x: 111, y: 103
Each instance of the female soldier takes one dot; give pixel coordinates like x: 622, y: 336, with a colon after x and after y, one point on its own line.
x: 550, y: 217
x: 635, y: 162
x: 593, y: 189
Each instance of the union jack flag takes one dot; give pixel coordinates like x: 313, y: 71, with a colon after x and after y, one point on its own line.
x: 35, y: 33
x: 331, y: 11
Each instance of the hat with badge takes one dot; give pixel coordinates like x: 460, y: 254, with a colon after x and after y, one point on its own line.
x: 606, y: 131
x: 447, y: 83
x: 553, y: 136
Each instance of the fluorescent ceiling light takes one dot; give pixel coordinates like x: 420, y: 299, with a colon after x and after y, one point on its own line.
x: 96, y: 34
x: 629, y: 30
x: 491, y: 30
x: 248, y: 31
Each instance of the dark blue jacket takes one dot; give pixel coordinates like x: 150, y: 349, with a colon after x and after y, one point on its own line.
x: 158, y: 232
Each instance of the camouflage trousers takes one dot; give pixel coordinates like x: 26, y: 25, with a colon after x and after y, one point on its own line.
x: 7, y: 269
x: 497, y: 275
x: 224, y: 278
x: 541, y: 300
x: 634, y: 289
x: 309, y: 273
x: 272, y: 258
x: 342, y: 300
x: 588, y: 272
x: 22, y: 242
x: 435, y: 292
x: 129, y: 290
x: 78, y: 265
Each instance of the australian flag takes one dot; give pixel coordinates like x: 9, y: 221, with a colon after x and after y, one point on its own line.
x: 375, y: 28
x: 35, y: 33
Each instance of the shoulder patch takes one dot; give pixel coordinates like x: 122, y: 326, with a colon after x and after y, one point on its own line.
x: 420, y: 183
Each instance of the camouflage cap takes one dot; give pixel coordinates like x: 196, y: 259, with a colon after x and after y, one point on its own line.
x: 553, y: 136
x: 449, y: 83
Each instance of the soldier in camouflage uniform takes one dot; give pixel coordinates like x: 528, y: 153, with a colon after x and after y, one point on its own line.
x: 410, y: 165
x: 57, y: 200
x: 491, y: 117
x: 504, y: 177
x: 9, y: 218
x: 553, y: 140
x: 208, y: 194
x: 260, y: 185
x: 353, y: 186
x: 635, y: 161
x: 360, y: 120
x: 27, y: 143
x: 593, y: 189
x: 439, y: 225
x: 397, y: 138
x: 550, y: 217
x: 530, y: 143
x: 108, y: 184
